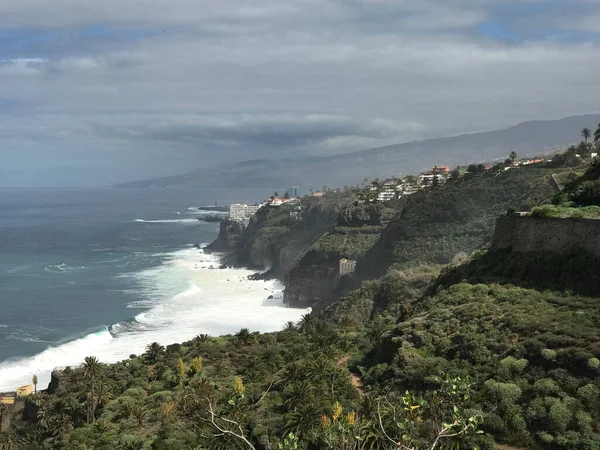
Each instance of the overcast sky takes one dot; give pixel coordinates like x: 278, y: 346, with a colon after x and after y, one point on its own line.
x: 101, y: 91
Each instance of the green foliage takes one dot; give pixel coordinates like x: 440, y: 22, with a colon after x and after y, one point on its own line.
x: 587, y: 212
x: 436, y: 224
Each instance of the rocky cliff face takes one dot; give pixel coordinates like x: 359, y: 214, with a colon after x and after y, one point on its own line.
x: 315, y: 280
x: 309, y: 284
x: 440, y: 223
x: 554, y: 235
x: 230, y: 232
x: 277, y: 237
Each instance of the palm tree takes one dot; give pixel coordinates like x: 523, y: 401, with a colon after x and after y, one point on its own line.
x: 597, y: 135
x: 289, y: 326
x: 219, y: 368
x: 141, y: 415
x: 133, y: 444
x: 104, y: 395
x: 201, y: 339
x: 244, y: 336
x: 76, y: 410
x: 154, y: 353
x: 306, y: 323
x: 126, y: 410
x: 585, y: 134
x: 292, y: 373
x: 61, y: 425
x: 92, y: 368
x: 512, y: 156
x: 9, y: 442
x: 297, y: 394
x: 302, y: 421
x: 319, y: 367
x: 35, y: 382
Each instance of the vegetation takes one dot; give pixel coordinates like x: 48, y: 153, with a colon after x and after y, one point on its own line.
x: 440, y: 222
x: 496, y: 346
x: 283, y: 390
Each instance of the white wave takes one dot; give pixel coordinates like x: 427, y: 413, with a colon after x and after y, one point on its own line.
x: 184, y: 297
x: 167, y: 221
x: 61, y: 268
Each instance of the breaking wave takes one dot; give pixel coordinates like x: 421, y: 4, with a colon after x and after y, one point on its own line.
x: 167, y: 221
x: 188, y: 294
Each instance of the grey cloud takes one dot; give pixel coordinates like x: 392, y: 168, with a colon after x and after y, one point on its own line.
x: 266, y: 77
x: 264, y: 134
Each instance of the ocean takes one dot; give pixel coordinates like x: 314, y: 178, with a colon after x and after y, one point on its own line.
x: 105, y: 272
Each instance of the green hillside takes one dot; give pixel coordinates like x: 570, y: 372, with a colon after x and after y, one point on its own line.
x: 439, y: 223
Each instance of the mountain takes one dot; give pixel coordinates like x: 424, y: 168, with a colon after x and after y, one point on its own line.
x: 526, y: 139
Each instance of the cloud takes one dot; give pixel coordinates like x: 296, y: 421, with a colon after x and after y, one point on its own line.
x: 235, y: 79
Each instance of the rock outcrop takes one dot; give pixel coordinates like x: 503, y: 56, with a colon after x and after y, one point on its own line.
x: 230, y: 232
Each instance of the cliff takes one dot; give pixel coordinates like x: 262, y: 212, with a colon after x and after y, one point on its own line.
x: 276, y: 238
x: 230, y: 232
x: 554, y: 235
x: 439, y: 223
x: 315, y: 280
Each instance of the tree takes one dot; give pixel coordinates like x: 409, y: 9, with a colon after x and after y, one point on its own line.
x: 597, y: 135
x: 276, y: 194
x: 34, y: 380
x: 154, y: 352
x: 289, y: 326
x: 512, y: 156
x: 286, y: 196
x: 243, y: 336
x: 133, y: 444
x: 306, y: 324
x: 201, y: 339
x: 583, y: 149
x: 585, y: 134
x: 92, y: 368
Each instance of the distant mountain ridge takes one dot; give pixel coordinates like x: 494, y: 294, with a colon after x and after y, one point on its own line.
x: 526, y: 139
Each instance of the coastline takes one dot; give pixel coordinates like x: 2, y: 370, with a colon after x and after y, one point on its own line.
x: 215, y: 301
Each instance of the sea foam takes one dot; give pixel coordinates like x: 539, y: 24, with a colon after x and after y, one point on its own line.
x: 186, y: 296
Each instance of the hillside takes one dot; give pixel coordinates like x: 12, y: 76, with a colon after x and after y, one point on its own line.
x: 274, y: 240
x: 519, y: 363
x: 500, y: 346
x: 315, y: 279
x: 527, y: 139
x: 440, y: 223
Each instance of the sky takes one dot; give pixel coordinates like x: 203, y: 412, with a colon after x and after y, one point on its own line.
x: 95, y: 92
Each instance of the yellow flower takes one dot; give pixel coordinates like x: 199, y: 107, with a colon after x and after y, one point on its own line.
x: 181, y: 369
x: 351, y: 418
x: 167, y: 408
x: 337, y: 411
x: 196, y: 364
x: 325, y: 422
x: 239, y: 387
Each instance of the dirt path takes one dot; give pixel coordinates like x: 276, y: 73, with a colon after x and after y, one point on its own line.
x: 507, y: 447
x: 356, y: 380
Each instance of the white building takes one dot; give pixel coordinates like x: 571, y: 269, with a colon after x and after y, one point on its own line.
x: 347, y: 266
x: 242, y: 212
x: 386, y: 195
